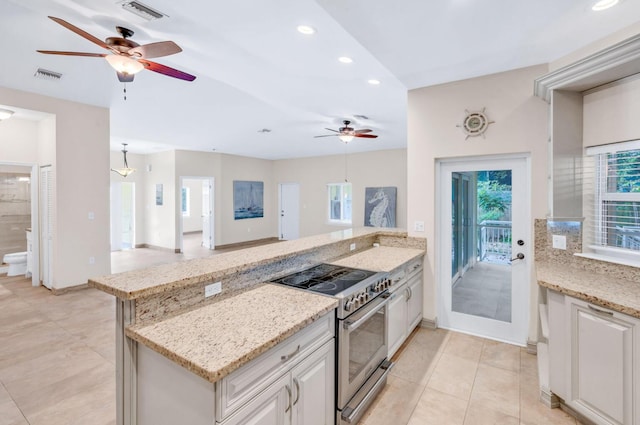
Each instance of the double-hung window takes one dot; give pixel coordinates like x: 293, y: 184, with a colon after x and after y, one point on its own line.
x: 613, y: 227
x: 339, y: 203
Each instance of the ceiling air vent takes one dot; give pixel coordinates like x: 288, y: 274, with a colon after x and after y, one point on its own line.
x: 142, y: 10
x: 45, y: 74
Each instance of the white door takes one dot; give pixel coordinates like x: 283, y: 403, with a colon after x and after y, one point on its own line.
x: 122, y: 215
x: 207, y: 213
x: 289, y: 211
x: 491, y: 299
x: 46, y: 230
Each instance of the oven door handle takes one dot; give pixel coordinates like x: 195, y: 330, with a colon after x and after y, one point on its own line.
x: 372, y: 308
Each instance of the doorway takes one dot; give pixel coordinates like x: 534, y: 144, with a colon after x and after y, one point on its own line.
x: 196, y: 215
x: 289, y: 222
x: 484, y: 227
x: 123, y: 204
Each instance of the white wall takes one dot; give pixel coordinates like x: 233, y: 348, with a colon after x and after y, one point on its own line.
x: 521, y: 126
x: 81, y: 169
x: 19, y: 141
x: 369, y: 169
x: 160, y: 220
x: 611, y: 115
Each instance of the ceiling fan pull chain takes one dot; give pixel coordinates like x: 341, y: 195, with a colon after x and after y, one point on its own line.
x: 125, y: 90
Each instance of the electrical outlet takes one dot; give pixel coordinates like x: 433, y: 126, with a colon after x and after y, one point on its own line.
x: 352, y: 247
x: 92, y: 260
x: 418, y: 226
x: 212, y: 289
x: 91, y: 215
x: 559, y: 242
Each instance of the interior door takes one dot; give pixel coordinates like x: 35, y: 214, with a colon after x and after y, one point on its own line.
x: 207, y: 213
x: 492, y: 298
x: 46, y: 230
x: 289, y: 211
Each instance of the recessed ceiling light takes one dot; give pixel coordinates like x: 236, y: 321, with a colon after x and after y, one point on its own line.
x: 604, y: 4
x: 373, y: 82
x: 306, y: 29
x: 345, y: 59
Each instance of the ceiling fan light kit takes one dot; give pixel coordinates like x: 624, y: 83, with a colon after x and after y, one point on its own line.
x: 124, y: 64
x: 126, y: 170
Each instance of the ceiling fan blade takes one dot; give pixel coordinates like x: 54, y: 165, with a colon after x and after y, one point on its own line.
x: 124, y: 77
x: 330, y: 129
x: 368, y: 136
x: 155, y: 50
x: 56, y: 52
x: 327, y: 135
x: 363, y: 130
x: 81, y: 33
x: 165, y: 70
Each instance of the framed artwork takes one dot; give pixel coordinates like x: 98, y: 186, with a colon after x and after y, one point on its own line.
x: 248, y: 199
x: 159, y: 194
x: 380, y: 206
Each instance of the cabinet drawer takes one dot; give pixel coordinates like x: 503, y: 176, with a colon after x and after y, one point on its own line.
x: 397, y: 279
x: 414, y: 267
x: 243, y: 384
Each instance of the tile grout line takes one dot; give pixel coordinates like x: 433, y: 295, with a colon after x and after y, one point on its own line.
x: 475, y: 376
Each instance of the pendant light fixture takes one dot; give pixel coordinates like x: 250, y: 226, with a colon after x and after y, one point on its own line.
x: 124, y: 171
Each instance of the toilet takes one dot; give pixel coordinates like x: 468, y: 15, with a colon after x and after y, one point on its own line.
x: 17, y: 263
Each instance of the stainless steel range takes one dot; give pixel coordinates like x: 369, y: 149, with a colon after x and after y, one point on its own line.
x: 362, y: 366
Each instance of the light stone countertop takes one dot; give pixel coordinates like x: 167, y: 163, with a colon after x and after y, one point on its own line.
x: 144, y: 282
x: 214, y: 340
x: 600, y: 289
x: 382, y: 258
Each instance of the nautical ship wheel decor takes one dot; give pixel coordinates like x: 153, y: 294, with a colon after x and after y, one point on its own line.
x: 475, y: 123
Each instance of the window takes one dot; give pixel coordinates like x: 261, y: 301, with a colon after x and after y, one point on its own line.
x: 340, y: 202
x: 186, y: 202
x: 613, y: 228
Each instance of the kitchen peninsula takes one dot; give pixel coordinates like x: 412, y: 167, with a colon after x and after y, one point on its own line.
x: 241, y: 339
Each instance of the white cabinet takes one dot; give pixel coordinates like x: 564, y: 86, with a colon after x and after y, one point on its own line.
x: 303, y: 396
x: 594, y: 361
x: 405, y: 304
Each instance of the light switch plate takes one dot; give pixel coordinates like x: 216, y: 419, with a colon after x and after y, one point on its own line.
x: 418, y: 226
x: 352, y: 247
x: 559, y: 242
x: 212, y: 289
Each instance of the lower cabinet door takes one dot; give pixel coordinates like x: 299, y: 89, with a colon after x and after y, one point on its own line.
x: 314, y: 388
x: 602, y: 364
x: 271, y: 407
x: 414, y: 304
x: 397, y: 320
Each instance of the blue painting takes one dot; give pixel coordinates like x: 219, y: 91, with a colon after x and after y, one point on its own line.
x: 248, y: 199
x: 380, y: 206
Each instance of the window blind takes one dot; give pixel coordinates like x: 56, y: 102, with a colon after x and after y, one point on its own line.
x: 612, y: 196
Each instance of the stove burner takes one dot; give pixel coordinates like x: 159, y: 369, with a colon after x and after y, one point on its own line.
x: 323, y: 287
x: 350, y: 275
x: 297, y: 279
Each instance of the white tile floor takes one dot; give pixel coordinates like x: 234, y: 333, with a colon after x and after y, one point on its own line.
x: 57, y: 367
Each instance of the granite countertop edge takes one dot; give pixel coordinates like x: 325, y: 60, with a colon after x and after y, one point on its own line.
x: 605, y: 291
x: 137, y: 333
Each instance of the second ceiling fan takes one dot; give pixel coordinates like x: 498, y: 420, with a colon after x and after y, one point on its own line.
x: 346, y: 133
x: 126, y: 56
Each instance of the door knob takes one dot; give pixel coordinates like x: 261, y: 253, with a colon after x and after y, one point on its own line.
x: 519, y: 256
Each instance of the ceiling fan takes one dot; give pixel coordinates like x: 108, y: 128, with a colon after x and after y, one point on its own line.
x: 346, y: 133
x: 126, y: 56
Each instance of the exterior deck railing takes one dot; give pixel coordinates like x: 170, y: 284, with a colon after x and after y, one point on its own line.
x: 494, y: 239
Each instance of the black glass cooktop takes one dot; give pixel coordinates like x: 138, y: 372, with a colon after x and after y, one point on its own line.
x: 326, y: 278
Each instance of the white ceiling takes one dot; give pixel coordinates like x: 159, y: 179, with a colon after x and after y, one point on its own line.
x: 255, y: 71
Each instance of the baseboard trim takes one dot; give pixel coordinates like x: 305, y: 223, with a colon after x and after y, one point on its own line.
x: 246, y: 243
x: 579, y: 416
x: 532, y: 347
x: 61, y: 291
x: 159, y: 248
x: 549, y: 399
x: 429, y: 324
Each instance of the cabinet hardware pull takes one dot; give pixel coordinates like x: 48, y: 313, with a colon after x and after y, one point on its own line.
x: 297, y: 384
x: 597, y: 310
x: 410, y: 293
x: 289, y: 356
x: 288, y: 392
x: 416, y: 266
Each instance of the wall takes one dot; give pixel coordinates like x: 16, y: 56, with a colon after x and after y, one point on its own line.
x: 521, y: 126
x: 369, y: 169
x: 160, y: 220
x: 611, y: 114
x: 193, y: 222
x: 139, y: 178
x: 19, y: 140
x: 81, y: 168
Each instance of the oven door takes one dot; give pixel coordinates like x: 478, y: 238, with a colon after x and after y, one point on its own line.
x: 362, y: 340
